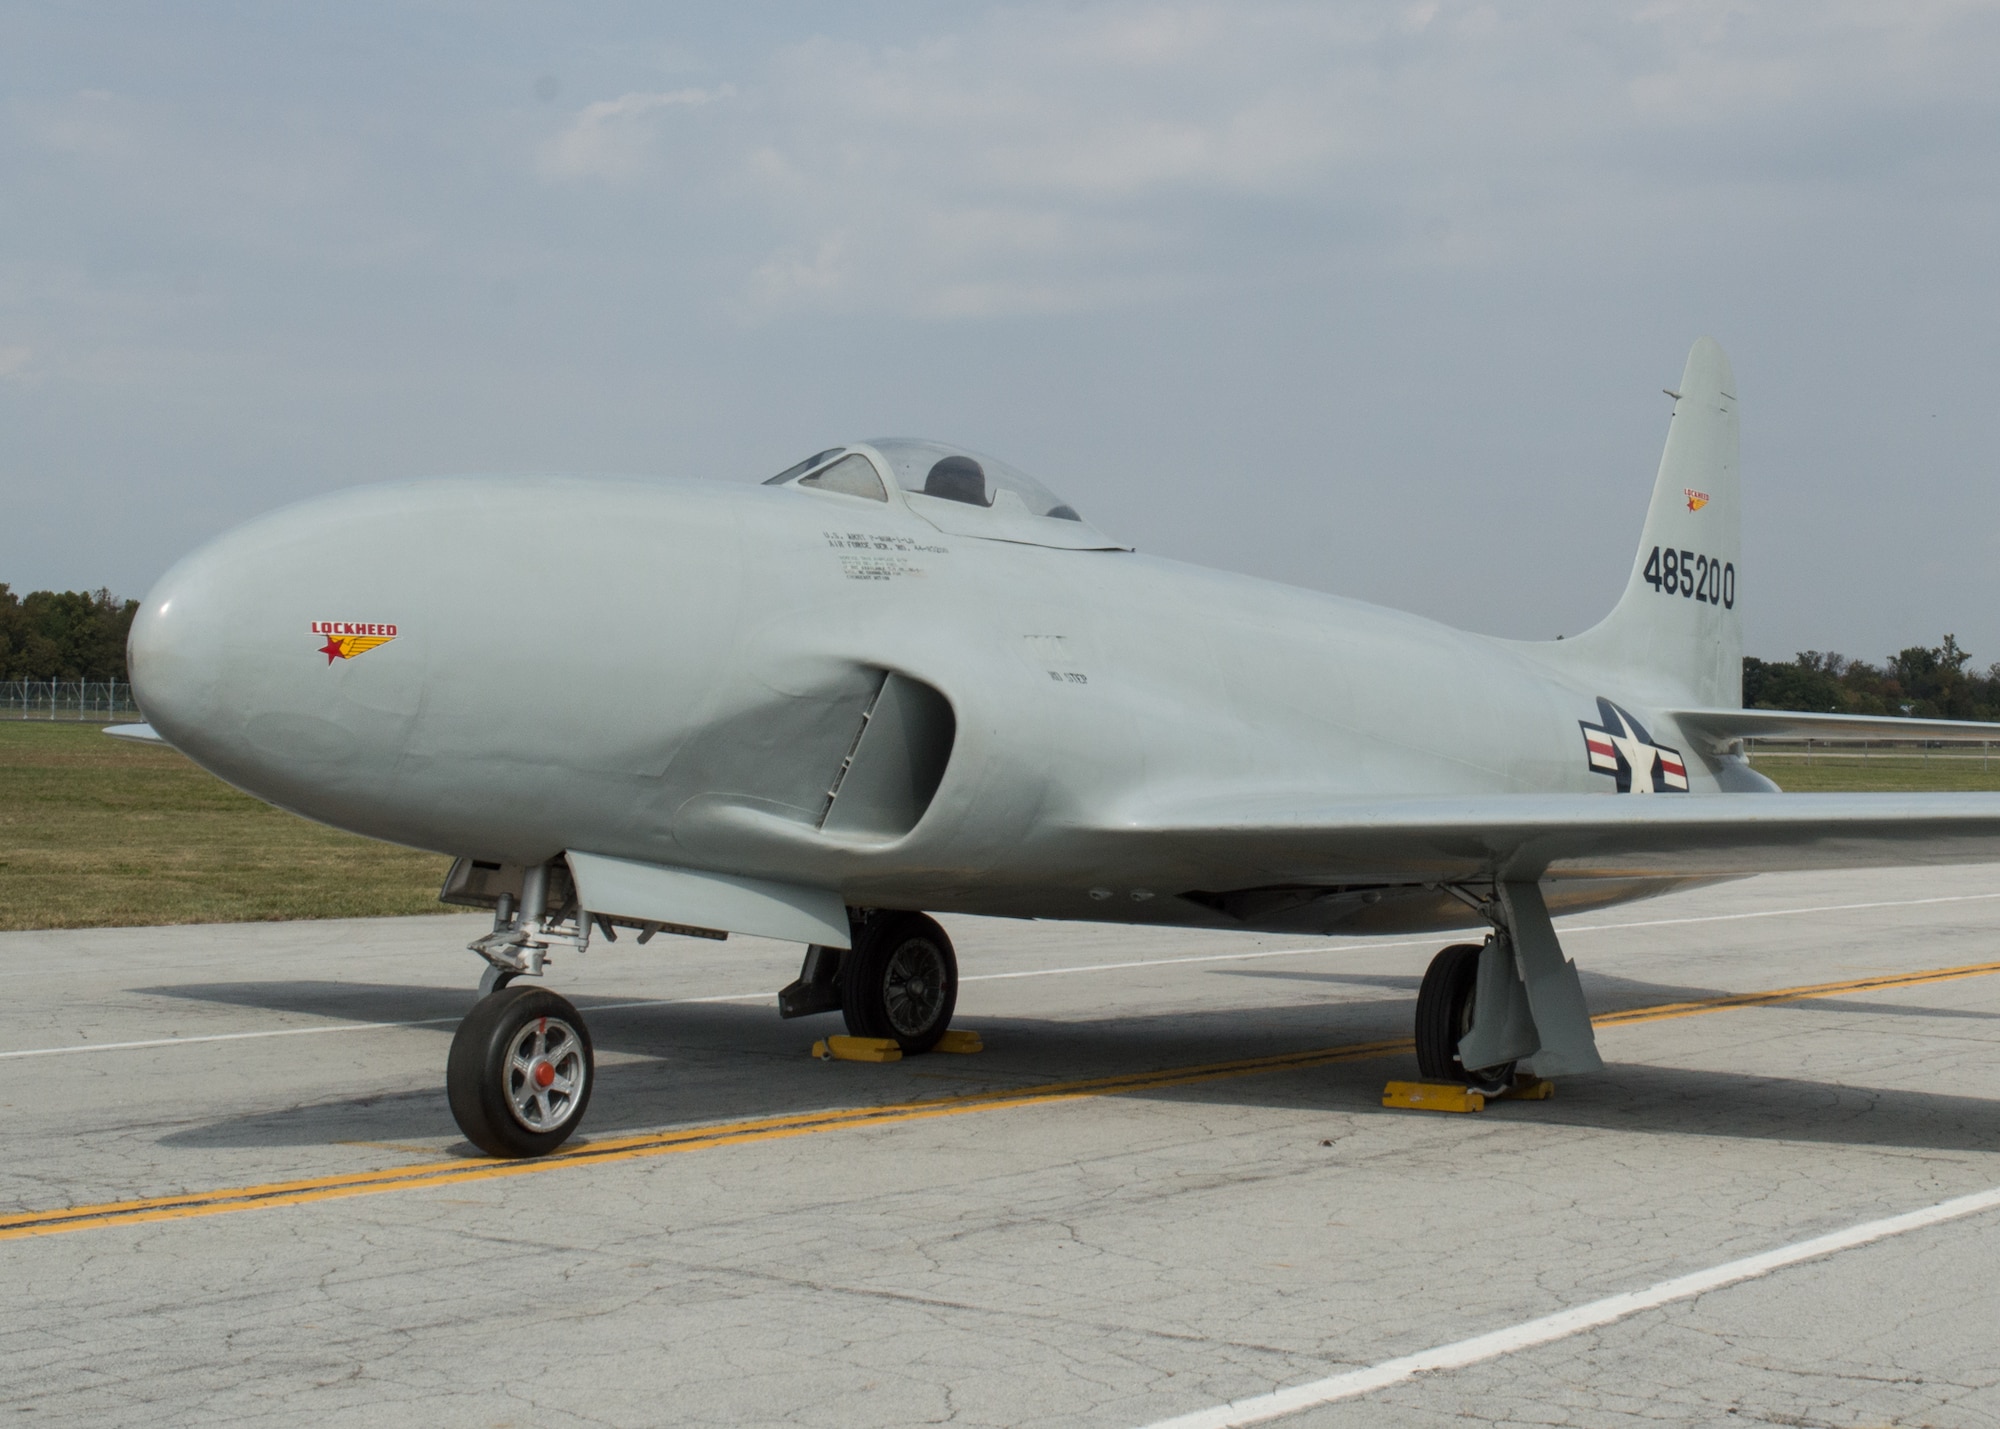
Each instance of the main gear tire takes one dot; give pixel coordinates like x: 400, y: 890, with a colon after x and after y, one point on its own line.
x: 520, y: 1072
x: 900, y: 980
x: 1444, y: 1012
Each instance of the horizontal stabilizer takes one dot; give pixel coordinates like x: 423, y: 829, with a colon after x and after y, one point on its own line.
x: 141, y: 733
x: 1721, y: 728
x: 1285, y: 839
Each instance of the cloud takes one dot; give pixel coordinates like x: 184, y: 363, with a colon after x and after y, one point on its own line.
x: 1045, y: 157
x: 1272, y: 244
x: 615, y: 139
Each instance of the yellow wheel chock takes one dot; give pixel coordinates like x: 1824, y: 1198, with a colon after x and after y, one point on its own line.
x: 1452, y: 1096
x: 884, y: 1049
x: 858, y: 1049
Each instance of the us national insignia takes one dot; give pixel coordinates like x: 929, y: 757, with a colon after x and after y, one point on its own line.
x: 347, y: 638
x: 1696, y: 499
x: 1621, y: 748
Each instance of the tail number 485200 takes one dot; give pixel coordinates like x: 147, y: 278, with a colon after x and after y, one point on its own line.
x: 1691, y: 575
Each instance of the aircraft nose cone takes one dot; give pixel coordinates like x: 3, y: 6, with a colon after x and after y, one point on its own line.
x: 261, y: 656
x: 385, y: 660
x: 173, y: 651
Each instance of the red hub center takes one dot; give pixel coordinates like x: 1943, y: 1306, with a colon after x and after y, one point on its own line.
x: 544, y: 1074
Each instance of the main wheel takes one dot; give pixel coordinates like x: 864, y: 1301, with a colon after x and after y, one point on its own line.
x: 900, y: 980
x: 1444, y: 1016
x: 520, y: 1072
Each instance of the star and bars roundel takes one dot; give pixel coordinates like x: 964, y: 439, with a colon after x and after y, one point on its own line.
x: 1620, y: 747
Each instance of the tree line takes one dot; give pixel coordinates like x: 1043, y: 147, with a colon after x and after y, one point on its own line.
x: 1923, y: 681
x: 63, y: 634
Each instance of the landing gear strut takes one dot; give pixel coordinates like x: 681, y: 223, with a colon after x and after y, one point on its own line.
x: 1485, y: 1007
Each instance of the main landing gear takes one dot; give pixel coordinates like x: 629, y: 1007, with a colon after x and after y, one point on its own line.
x: 521, y: 1068
x: 1445, y: 1009
x: 1484, y: 1008
x: 899, y: 979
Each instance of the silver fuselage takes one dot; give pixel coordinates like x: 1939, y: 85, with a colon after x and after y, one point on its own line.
x: 673, y: 671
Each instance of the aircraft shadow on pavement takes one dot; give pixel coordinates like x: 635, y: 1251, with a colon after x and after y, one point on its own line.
x: 341, y: 1001
x: 671, y: 1064
x: 1601, y: 990
x: 1399, y: 982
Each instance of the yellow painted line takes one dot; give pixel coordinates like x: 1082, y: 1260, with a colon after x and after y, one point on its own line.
x: 626, y: 1148
x: 772, y: 1128
x: 1662, y: 1011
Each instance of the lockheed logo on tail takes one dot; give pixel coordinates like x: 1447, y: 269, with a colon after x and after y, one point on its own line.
x: 1621, y: 748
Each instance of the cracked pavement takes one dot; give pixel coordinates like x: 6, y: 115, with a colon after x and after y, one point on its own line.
x: 1101, y: 1261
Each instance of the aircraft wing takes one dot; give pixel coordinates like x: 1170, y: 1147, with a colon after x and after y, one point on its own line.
x: 1722, y: 726
x: 1282, y: 839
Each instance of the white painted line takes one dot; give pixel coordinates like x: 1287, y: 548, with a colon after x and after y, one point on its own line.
x: 1564, y: 1323
x: 1354, y: 946
x: 1782, y: 912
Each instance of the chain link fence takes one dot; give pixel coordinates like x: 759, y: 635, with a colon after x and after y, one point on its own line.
x: 104, y: 701
x: 1959, y: 750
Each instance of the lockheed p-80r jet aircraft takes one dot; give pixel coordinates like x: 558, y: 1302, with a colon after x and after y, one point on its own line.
x: 900, y: 678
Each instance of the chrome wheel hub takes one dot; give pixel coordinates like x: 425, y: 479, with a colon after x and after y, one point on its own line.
x: 545, y: 1074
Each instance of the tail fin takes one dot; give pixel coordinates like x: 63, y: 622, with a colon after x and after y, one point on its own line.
x: 1678, y: 630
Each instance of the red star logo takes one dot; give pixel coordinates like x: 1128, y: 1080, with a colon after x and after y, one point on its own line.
x: 332, y: 649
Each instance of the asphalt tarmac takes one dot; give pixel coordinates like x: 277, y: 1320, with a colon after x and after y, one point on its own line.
x: 1167, y: 1185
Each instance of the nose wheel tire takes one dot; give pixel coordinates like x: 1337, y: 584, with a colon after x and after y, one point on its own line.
x: 900, y: 980
x: 1444, y: 1016
x: 520, y: 1072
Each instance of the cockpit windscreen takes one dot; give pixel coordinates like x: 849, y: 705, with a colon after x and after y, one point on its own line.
x: 798, y: 468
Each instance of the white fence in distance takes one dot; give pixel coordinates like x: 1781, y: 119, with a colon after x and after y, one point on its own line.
x: 104, y: 701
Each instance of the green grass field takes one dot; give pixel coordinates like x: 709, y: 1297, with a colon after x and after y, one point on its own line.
x: 1880, y: 772
x: 100, y: 832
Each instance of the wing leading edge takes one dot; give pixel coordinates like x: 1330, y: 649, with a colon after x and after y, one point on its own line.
x: 1524, y: 836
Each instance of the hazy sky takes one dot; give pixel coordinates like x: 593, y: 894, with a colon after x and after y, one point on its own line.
x: 1373, y: 298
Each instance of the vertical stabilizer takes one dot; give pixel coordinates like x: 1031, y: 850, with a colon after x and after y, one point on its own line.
x: 1678, y: 630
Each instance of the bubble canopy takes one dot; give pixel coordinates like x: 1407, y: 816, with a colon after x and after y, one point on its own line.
x: 954, y: 474
x: 959, y: 491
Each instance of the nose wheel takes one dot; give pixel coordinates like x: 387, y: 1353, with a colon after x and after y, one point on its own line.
x: 520, y: 1072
